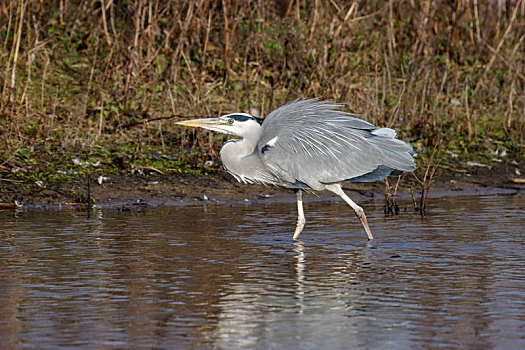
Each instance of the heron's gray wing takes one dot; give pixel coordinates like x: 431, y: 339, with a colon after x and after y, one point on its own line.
x: 313, y: 143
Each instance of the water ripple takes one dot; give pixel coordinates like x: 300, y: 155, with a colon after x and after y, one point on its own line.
x: 230, y: 277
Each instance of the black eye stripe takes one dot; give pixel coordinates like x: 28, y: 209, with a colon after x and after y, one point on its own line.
x: 243, y: 118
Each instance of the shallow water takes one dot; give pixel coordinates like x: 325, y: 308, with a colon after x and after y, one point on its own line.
x: 218, y: 276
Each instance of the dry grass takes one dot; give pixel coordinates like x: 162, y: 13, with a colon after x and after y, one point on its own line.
x: 80, y: 75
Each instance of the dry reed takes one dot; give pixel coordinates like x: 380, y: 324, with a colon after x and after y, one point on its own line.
x: 77, y: 75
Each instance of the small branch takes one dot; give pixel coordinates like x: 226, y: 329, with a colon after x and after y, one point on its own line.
x: 17, y: 39
x: 314, y: 21
x: 152, y: 169
x: 507, y: 63
x: 349, y: 13
x: 470, y: 133
x: 10, y: 180
x: 496, y: 51
x: 105, y: 22
x: 427, y: 181
x: 134, y: 49
x: 391, y: 205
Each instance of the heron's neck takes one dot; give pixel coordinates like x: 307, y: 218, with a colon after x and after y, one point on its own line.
x: 235, y: 155
x: 245, y: 146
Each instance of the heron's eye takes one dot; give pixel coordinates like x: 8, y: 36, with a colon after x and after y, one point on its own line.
x: 230, y: 121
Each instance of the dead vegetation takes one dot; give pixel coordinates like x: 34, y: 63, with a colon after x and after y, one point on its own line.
x: 103, y: 79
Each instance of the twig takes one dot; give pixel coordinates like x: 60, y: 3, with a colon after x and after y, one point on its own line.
x: 517, y: 181
x: 104, y: 20
x: 414, y: 203
x: 8, y: 205
x: 90, y: 80
x: 507, y: 63
x: 152, y: 169
x: 207, y: 35
x: 508, y: 116
x: 349, y: 13
x: 314, y: 21
x: 391, y: 205
x: 373, y: 14
x: 495, y: 52
x: 397, y: 106
x: 10, y: 180
x: 470, y: 133
x: 88, y: 191
x: 476, y: 20
x: 7, y: 34
x: 229, y: 32
x: 18, y: 39
x: 427, y: 181
x: 183, y: 32
x: 453, y: 169
x: 129, y: 79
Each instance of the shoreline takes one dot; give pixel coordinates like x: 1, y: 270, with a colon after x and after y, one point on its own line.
x: 127, y: 192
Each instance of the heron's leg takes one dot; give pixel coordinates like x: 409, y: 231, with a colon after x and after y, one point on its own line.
x: 300, y: 215
x: 336, y: 188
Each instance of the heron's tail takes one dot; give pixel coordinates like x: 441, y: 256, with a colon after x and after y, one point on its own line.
x: 385, y: 132
x: 397, y: 154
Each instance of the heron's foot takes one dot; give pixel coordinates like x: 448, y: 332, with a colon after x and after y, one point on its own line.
x: 360, y: 213
x: 299, y: 227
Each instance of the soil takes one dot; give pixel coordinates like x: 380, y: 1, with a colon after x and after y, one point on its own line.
x: 154, y: 189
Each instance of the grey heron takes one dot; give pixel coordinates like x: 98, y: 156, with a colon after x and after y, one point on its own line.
x: 307, y: 145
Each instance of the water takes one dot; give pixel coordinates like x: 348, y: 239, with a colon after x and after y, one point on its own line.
x: 224, y: 277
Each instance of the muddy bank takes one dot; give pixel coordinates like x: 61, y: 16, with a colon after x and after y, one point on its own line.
x: 153, y: 189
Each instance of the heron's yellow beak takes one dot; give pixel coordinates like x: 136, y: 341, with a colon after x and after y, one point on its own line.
x: 214, y: 124
x: 202, y: 123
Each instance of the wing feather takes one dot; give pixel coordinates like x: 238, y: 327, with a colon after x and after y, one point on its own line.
x: 319, y: 144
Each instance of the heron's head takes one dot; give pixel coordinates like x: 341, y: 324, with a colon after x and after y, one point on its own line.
x: 238, y: 124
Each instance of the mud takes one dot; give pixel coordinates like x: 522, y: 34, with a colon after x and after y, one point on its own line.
x: 154, y: 189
